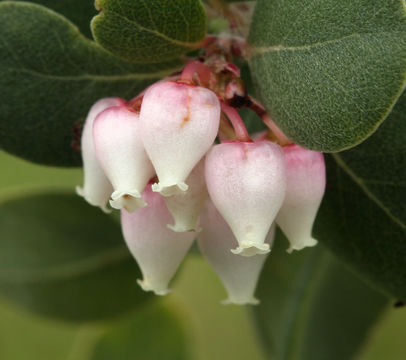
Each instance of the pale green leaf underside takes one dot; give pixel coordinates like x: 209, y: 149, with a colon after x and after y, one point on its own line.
x: 363, y: 215
x: 50, y: 75
x: 329, y: 72
x: 63, y: 258
x: 149, y: 31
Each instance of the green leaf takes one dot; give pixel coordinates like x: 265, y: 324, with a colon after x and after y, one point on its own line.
x: 149, y: 31
x: 329, y: 71
x: 155, y: 333
x: 363, y: 216
x: 312, y: 308
x: 51, y: 75
x: 63, y: 258
x: 80, y: 12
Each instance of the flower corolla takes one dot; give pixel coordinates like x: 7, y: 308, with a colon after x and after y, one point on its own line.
x: 306, y: 181
x: 96, y: 187
x: 179, y: 123
x: 239, y: 274
x: 185, y: 207
x: 247, y: 183
x: 120, y: 152
x: 157, y: 249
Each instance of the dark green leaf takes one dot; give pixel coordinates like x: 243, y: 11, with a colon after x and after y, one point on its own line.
x: 63, y: 258
x: 149, y: 31
x: 252, y: 121
x: 329, y: 71
x: 156, y: 333
x: 50, y: 75
x: 312, y: 308
x: 363, y: 215
x: 80, y: 12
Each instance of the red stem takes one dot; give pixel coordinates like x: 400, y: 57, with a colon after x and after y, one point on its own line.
x: 283, y: 140
x: 266, y: 119
x: 238, y: 125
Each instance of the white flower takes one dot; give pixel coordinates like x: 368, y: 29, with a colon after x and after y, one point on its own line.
x: 306, y: 181
x: 247, y: 183
x: 121, y: 154
x: 179, y: 124
x: 185, y: 208
x: 96, y: 187
x: 157, y: 249
x: 239, y: 274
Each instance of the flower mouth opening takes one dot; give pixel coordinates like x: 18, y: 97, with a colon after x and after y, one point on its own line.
x: 232, y: 301
x: 170, y: 189
x: 310, y: 242
x: 129, y: 200
x: 183, y: 228
x: 250, y: 249
x: 147, y: 286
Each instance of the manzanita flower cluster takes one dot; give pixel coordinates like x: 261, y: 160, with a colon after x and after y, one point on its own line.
x: 156, y: 158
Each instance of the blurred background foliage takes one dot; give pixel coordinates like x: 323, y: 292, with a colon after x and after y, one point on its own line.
x: 189, y: 323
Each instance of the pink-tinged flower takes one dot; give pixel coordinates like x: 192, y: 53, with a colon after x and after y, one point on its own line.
x: 247, y: 183
x: 179, y: 124
x: 185, y: 208
x: 306, y: 181
x: 239, y: 274
x: 96, y: 187
x: 121, y: 154
x: 157, y: 249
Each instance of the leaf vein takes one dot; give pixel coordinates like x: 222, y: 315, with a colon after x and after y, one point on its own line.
x: 361, y: 183
x: 93, y: 77
x: 281, y: 47
x: 159, y: 34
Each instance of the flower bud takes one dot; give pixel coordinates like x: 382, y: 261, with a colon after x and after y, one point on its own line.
x: 96, y: 187
x: 247, y: 183
x: 121, y: 154
x: 157, y: 249
x: 185, y: 208
x: 179, y: 124
x: 306, y: 181
x: 239, y: 274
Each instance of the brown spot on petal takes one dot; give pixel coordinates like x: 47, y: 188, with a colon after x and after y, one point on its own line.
x: 187, y: 117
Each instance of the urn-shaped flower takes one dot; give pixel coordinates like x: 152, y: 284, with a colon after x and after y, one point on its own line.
x: 247, y: 182
x: 306, y: 181
x: 179, y: 123
x: 120, y: 151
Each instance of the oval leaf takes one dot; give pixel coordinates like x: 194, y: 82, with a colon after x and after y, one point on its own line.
x: 363, y: 214
x: 63, y: 258
x: 80, y: 12
x: 53, y: 75
x: 329, y: 71
x: 312, y: 308
x: 149, y: 31
x: 153, y: 334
